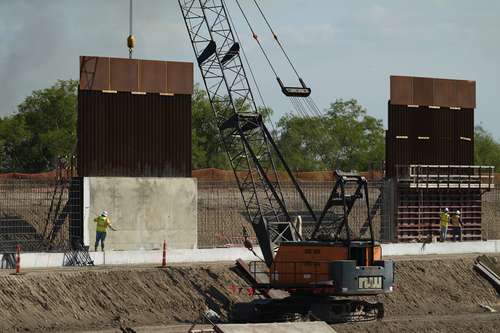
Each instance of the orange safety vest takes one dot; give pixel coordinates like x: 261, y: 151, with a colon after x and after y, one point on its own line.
x: 102, y: 223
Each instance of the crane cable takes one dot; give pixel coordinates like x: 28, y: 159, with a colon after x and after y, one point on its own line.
x: 249, y: 67
x: 305, y: 108
x: 275, y: 36
x: 131, y: 37
x: 309, y: 101
x: 254, y: 35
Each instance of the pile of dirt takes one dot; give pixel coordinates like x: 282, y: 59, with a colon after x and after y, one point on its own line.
x: 445, y: 285
x: 73, y: 299
x: 437, y: 294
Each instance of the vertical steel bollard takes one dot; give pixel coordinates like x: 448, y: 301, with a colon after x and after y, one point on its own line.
x: 18, y: 259
x: 164, y: 259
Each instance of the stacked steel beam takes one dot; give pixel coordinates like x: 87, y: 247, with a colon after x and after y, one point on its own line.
x: 489, y: 268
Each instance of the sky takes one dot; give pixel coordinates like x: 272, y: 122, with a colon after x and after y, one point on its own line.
x: 342, y: 49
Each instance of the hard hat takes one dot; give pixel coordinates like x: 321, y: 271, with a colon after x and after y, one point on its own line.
x: 104, y: 213
x: 446, y: 210
x: 458, y: 212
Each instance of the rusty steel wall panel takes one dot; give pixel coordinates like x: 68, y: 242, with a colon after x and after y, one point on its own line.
x: 124, y: 74
x: 441, y: 136
x: 401, y: 91
x: 153, y: 76
x: 466, y: 94
x: 180, y: 77
x: 135, y: 75
x: 423, y: 91
x: 407, y: 90
x: 94, y: 73
x: 445, y: 92
x: 128, y: 135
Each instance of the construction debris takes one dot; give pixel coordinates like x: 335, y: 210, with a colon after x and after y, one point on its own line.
x: 211, y: 316
x: 487, y: 307
x: 489, y: 269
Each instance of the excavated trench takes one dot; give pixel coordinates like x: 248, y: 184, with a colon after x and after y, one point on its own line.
x: 438, y: 294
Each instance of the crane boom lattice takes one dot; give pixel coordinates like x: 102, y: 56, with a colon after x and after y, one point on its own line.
x: 248, y: 143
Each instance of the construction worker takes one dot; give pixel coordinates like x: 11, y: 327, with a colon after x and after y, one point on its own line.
x: 103, y: 223
x: 456, y: 226
x: 444, y: 218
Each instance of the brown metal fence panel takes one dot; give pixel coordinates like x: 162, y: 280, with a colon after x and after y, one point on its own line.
x: 424, y: 135
x: 401, y: 90
x: 408, y: 90
x: 423, y: 91
x: 124, y: 74
x: 136, y: 75
x: 130, y: 135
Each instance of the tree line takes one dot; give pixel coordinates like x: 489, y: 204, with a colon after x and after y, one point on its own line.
x: 345, y: 137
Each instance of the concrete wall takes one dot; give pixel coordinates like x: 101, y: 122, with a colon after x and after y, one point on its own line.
x: 145, y: 211
x: 44, y: 260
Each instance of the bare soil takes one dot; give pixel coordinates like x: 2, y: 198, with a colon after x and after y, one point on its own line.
x: 88, y: 299
x: 436, y: 294
x: 433, y: 294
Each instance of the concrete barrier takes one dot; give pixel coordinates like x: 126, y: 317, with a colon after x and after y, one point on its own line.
x: 411, y: 249
x: 145, y: 211
x: 44, y: 260
x: 137, y: 257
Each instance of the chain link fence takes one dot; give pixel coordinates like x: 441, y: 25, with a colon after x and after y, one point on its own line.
x: 39, y: 215
x: 45, y: 215
x: 222, y: 214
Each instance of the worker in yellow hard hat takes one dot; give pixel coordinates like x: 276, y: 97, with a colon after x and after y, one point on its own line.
x: 103, y: 222
x: 444, y: 218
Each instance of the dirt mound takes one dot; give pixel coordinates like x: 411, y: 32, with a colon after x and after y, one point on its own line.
x: 438, y: 286
x: 431, y: 295
x: 99, y: 298
x: 439, y: 295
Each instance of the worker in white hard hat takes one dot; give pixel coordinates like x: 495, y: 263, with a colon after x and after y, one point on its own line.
x: 456, y: 226
x: 103, y: 222
x: 444, y: 218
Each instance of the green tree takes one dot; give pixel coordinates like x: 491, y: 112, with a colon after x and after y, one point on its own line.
x: 43, y: 129
x: 486, y: 148
x: 207, y: 150
x: 345, y: 137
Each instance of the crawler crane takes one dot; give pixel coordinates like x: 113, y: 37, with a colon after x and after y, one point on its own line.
x: 315, y: 267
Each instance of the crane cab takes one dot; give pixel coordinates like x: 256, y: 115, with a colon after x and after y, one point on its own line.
x: 331, y: 268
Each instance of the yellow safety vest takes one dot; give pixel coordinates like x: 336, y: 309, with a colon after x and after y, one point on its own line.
x: 444, y: 219
x: 102, y: 223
